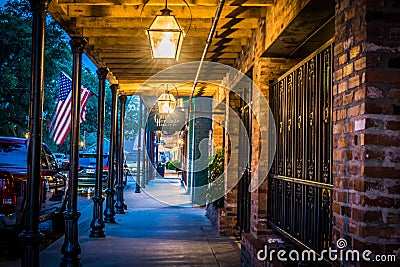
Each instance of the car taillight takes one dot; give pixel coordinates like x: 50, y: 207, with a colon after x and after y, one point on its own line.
x: 8, y: 197
x: 105, y: 168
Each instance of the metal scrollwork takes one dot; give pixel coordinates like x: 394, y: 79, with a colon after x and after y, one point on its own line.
x: 289, y: 168
x: 300, y: 186
x: 299, y: 122
x: 299, y: 168
x: 325, y: 172
x: 311, y: 170
x: 326, y: 115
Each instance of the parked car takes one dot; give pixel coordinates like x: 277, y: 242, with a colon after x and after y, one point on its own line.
x: 59, y: 157
x: 87, y: 172
x: 13, y: 184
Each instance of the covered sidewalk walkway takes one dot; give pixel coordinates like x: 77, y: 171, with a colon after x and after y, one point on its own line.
x: 152, y: 233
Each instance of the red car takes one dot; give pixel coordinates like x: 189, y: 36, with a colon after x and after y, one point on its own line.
x: 13, y: 183
x: 87, y: 172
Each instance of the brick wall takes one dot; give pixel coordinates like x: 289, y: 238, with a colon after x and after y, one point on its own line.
x: 218, y: 215
x: 264, y: 70
x: 278, y: 18
x: 225, y: 218
x: 231, y: 158
x: 366, y: 121
x: 366, y: 125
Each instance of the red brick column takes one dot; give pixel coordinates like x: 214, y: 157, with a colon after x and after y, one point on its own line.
x: 231, y: 157
x: 264, y: 71
x: 225, y: 218
x: 366, y: 126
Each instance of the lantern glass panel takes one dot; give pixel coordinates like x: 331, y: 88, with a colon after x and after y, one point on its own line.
x: 165, y: 37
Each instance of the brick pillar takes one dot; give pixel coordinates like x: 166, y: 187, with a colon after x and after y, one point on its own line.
x: 216, y: 214
x: 366, y: 126
x: 218, y: 119
x: 231, y: 157
x: 265, y: 71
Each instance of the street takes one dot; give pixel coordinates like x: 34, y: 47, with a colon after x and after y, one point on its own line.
x: 8, y: 252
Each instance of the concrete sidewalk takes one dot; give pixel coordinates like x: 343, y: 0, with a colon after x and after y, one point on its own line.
x: 152, y: 233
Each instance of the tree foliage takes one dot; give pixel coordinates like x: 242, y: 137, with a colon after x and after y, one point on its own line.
x: 216, y: 168
x: 15, y: 74
x: 132, y: 118
x: 15, y: 65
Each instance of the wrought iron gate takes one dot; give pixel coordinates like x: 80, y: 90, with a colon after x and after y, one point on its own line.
x: 243, y: 214
x: 300, y: 181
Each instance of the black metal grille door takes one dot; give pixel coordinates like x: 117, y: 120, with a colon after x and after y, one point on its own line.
x: 243, y: 214
x: 300, y: 181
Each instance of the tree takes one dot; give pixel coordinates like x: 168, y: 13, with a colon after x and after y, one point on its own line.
x: 91, y: 82
x: 132, y: 118
x: 15, y: 74
x: 15, y: 65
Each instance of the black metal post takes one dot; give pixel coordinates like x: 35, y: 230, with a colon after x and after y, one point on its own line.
x: 71, y: 248
x: 97, y: 224
x: 156, y: 150
x: 144, y: 151
x: 138, y: 166
x: 149, y: 156
x: 109, y: 212
x: 119, y: 204
x: 150, y: 148
x: 30, y: 236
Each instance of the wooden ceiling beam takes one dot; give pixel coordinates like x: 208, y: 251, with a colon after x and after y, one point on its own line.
x: 117, y: 40
x: 175, y: 77
x: 146, y: 48
x: 150, y: 12
x: 153, y: 90
x: 141, y: 55
x: 144, y: 41
x: 149, y: 60
x: 170, y: 2
x: 109, y: 22
x: 151, y: 63
x: 154, y: 85
x: 163, y: 72
x: 134, y: 33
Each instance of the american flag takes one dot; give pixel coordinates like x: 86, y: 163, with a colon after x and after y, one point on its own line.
x: 61, y: 122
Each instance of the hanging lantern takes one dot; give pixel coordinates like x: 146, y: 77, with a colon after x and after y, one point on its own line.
x: 166, y: 103
x: 165, y: 35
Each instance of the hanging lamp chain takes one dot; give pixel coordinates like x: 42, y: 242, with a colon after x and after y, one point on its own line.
x: 166, y: 11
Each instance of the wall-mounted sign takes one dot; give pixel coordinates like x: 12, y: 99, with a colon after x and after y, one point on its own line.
x: 169, y: 123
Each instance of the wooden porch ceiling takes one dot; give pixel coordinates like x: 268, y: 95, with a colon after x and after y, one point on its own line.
x: 117, y: 40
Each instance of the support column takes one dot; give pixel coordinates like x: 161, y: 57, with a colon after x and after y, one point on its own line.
x: 120, y: 205
x: 109, y: 212
x: 366, y: 128
x: 137, y: 190
x: 71, y: 248
x: 144, y: 151
x: 149, y: 148
x: 201, y: 126
x: 30, y: 237
x: 97, y: 224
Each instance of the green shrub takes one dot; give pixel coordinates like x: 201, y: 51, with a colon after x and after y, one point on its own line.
x: 174, y: 165
x: 215, y: 170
